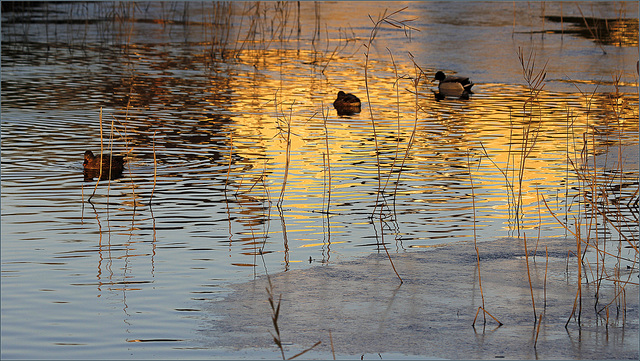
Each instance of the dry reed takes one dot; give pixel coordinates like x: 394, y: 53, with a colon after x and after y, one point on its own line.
x: 304, y: 351
x: 101, y: 151
x: 396, y: 85
x: 388, y: 19
x: 327, y: 166
x: 475, y: 245
x: 533, y: 301
x: 535, y: 343
x: 546, y: 267
x: 333, y: 351
x: 110, y: 168
x: 416, y: 83
x: 155, y: 168
x: 603, y: 217
x: 514, y: 174
x: 287, y: 123
x: 275, y: 316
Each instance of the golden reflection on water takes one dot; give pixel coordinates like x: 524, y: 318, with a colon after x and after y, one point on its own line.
x: 498, y: 118
x: 235, y: 117
x: 218, y: 117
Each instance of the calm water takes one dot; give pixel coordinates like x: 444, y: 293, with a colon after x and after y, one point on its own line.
x: 203, y: 97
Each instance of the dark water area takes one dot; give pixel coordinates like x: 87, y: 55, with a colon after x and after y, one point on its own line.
x: 237, y: 162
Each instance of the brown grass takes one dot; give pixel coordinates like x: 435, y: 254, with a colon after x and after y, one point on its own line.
x: 475, y: 245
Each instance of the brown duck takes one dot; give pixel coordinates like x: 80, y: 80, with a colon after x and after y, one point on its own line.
x: 111, y: 164
x: 347, y: 103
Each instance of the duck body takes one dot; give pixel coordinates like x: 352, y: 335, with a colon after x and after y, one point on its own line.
x: 453, y: 86
x: 111, y: 165
x: 347, y: 103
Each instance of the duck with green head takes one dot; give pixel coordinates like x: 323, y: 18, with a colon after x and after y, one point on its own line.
x: 453, y: 86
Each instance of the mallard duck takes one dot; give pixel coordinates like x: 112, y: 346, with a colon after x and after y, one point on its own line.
x: 347, y: 104
x: 112, y: 165
x: 453, y: 86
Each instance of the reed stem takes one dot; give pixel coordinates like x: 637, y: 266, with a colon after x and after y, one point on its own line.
x: 155, y: 168
x: 101, y: 151
x: 533, y: 301
x: 475, y: 244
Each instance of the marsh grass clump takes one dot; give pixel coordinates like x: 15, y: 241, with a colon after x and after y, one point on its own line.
x: 605, y: 217
x: 606, y: 220
x: 475, y: 245
x: 383, y: 19
x: 523, y: 137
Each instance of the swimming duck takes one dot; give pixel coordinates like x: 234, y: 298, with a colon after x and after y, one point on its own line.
x: 453, y: 86
x: 112, y: 165
x: 347, y: 103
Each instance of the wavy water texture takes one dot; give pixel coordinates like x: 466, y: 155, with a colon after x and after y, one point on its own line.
x: 223, y: 109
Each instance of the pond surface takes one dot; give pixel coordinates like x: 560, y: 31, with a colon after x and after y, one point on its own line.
x: 237, y: 162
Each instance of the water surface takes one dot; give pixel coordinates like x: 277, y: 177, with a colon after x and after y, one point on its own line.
x: 204, y: 98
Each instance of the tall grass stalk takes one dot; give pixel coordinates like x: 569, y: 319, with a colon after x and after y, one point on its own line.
x: 304, y: 351
x: 275, y: 315
x: 529, y: 135
x: 475, y: 236
x: 339, y: 47
x: 546, y: 267
x: 415, y: 83
x: 101, y: 151
x: 535, y: 82
x: 604, y: 218
x: 333, y: 351
x: 226, y: 182
x: 396, y: 85
x: 535, y: 343
x: 475, y: 245
x: 126, y: 142
x: 533, y: 301
x: 576, y: 234
x: 535, y: 251
x: 274, y: 305
x: 287, y: 137
x: 388, y: 19
x: 155, y: 168
x: 387, y: 250
x: 328, y: 159
x: 327, y: 185
x: 267, y: 199
x: 285, y: 238
x: 577, y: 302
x: 110, y: 168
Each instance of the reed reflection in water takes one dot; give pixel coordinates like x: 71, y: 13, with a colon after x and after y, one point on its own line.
x: 216, y: 104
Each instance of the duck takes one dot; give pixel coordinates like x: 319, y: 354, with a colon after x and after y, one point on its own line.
x: 347, y: 103
x: 112, y: 165
x: 453, y: 86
